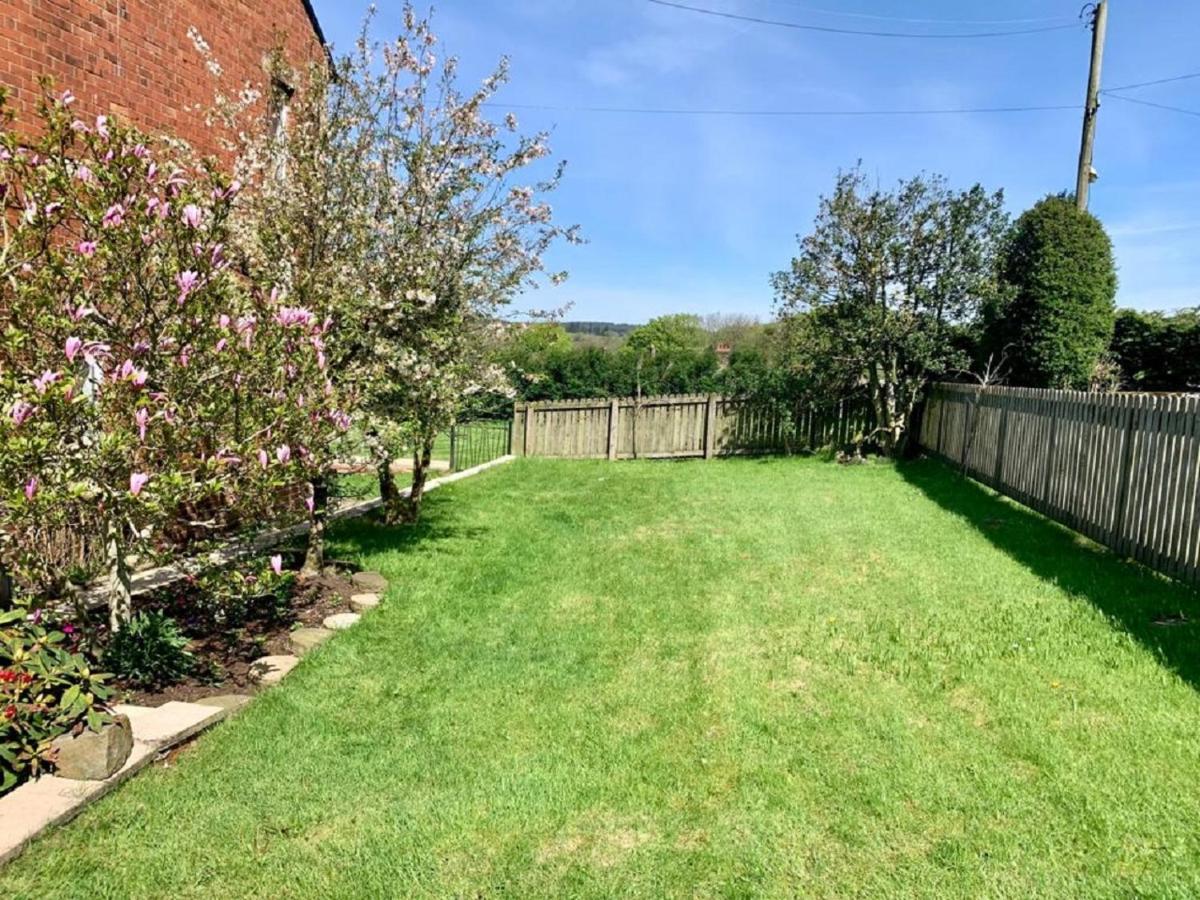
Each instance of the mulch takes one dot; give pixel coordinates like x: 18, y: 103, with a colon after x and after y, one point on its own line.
x: 225, y: 658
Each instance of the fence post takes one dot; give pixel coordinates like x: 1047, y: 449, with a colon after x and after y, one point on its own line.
x: 1123, y: 540
x: 710, y: 426
x: 614, y: 412
x: 528, y: 438
x: 453, y: 448
x: 511, y: 427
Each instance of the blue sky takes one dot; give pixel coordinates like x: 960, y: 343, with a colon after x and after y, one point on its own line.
x: 692, y: 213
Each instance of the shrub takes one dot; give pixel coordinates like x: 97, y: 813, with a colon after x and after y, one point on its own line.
x: 46, y: 690
x: 150, y: 651
x: 1057, y: 318
x: 229, y: 598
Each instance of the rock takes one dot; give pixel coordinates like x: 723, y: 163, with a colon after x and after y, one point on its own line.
x: 271, y: 669
x: 340, y: 621
x: 231, y: 703
x: 94, y: 755
x: 370, y: 581
x: 304, y: 639
x: 363, y: 602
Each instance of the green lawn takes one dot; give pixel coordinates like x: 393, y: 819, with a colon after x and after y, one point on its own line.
x: 736, y: 678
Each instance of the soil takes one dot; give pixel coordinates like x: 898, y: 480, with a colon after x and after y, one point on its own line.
x: 224, y: 659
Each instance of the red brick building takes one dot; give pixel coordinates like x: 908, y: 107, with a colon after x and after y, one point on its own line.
x: 134, y: 58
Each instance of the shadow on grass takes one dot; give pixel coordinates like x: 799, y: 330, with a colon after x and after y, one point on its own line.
x: 1162, y: 615
x: 369, y: 535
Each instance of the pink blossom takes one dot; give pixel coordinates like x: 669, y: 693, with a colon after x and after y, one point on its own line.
x: 21, y: 411
x: 79, y: 126
x: 67, y: 98
x: 283, y: 453
x: 102, y: 126
x: 52, y: 208
x: 137, y: 481
x: 114, y: 217
x: 263, y: 458
x: 141, y: 417
x: 310, y: 503
x: 185, y: 356
x: 139, y: 377
x: 277, y: 564
x: 81, y: 312
x: 84, y: 174
x: 289, y: 315
x: 86, y: 248
x: 187, y: 283
x: 31, y: 488
x: 140, y: 151
x: 191, y: 215
x: 220, y: 345
x: 152, y: 171
x: 126, y: 370
x: 71, y: 348
x: 42, y: 383
x: 223, y: 320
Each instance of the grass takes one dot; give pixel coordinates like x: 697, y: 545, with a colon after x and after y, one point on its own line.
x: 738, y: 678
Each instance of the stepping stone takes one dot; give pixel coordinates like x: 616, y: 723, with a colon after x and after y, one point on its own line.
x: 370, y: 581
x: 271, y: 669
x: 363, y: 602
x: 304, y: 639
x: 231, y: 703
x: 166, y: 725
x: 340, y: 621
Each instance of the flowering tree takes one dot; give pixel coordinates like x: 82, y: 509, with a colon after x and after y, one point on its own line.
x: 459, y: 236
x: 303, y: 222
x: 140, y: 378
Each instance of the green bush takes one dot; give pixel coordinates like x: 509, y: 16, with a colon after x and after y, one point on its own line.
x: 1056, y: 318
x: 46, y: 690
x: 150, y: 651
x: 226, y: 599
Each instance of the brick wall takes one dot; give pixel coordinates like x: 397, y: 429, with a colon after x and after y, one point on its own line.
x: 133, y: 58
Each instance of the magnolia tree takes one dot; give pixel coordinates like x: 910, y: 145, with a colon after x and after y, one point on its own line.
x: 142, y: 381
x: 459, y: 234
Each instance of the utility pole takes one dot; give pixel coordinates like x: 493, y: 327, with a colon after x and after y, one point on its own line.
x: 1086, y: 173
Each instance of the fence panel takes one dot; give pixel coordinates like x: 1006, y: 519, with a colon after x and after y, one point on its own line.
x: 475, y: 443
x: 679, y: 426
x: 1123, y: 469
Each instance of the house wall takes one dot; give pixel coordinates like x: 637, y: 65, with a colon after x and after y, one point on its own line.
x: 133, y: 58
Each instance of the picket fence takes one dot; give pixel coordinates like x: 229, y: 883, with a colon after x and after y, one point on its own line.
x: 679, y: 426
x: 1123, y: 469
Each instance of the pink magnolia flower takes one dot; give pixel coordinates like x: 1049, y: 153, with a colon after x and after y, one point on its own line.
x: 86, y: 248
x: 52, y: 208
x: 185, y: 356
x: 79, y: 126
x: 137, y: 481
x: 126, y: 370
x: 293, y: 315
x: 310, y: 503
x: 139, y: 377
x: 80, y: 312
x: 140, y: 151
x: 102, y: 126
x: 114, y: 216
x: 187, y: 283
x: 84, y: 174
x: 152, y: 171
x: 283, y: 453
x: 191, y: 215
x: 263, y: 458
x: 67, y: 98
x: 42, y: 383
x: 31, y: 488
x: 21, y: 411
x: 277, y: 564
x: 223, y: 320
x: 71, y: 348
x: 220, y: 345
x: 142, y: 417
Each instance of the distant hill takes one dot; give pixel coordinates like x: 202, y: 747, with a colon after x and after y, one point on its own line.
x: 603, y: 329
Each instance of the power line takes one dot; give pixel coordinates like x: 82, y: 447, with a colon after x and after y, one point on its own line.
x: 1178, y: 109
x: 910, y: 21
x: 784, y: 113
x: 1142, y: 84
x: 831, y: 30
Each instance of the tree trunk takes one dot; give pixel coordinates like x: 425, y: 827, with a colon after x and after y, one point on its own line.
x: 314, y: 556
x: 422, y: 456
x: 120, y: 589
x: 389, y: 494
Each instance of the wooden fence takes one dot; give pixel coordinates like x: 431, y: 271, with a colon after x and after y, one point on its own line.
x: 1124, y: 469
x: 674, y: 426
